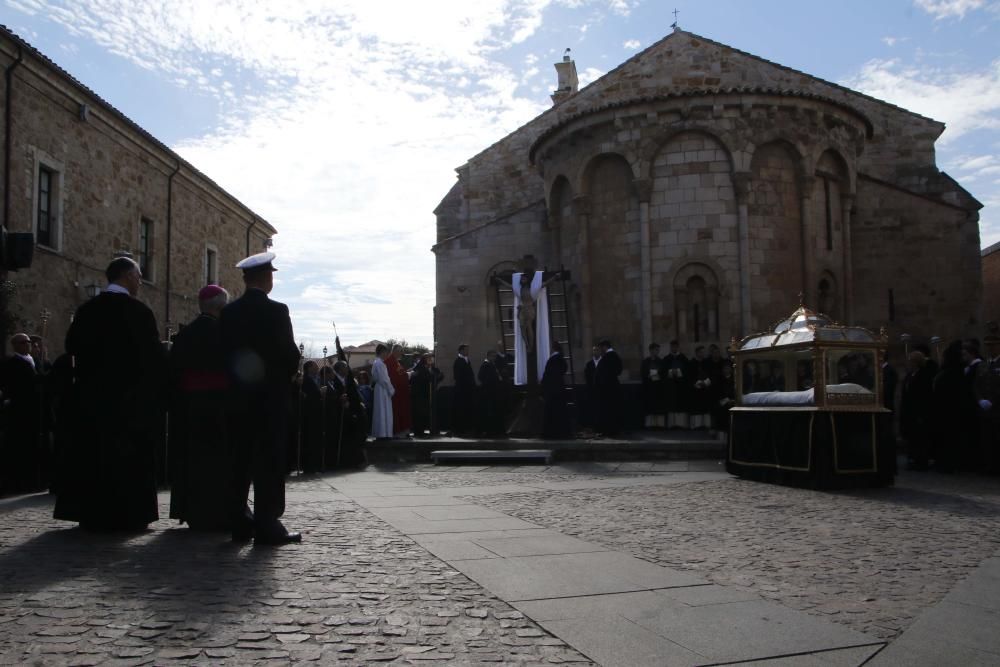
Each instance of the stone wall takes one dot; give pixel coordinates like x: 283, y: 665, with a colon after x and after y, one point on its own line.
x: 991, y: 283
x: 110, y: 175
x: 927, y: 253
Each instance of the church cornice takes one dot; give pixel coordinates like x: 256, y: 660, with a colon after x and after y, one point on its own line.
x: 691, y: 95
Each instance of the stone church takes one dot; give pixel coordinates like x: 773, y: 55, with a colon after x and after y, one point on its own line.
x: 695, y: 192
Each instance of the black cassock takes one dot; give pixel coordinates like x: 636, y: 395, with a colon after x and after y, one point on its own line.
x: 423, y: 395
x: 654, y: 386
x: 557, y: 419
x: 491, y: 415
x: 346, y: 426
x: 312, y: 424
x: 198, y: 455
x: 608, y: 391
x: 117, y: 410
x: 464, y: 401
x: 19, y: 448
x: 261, y: 357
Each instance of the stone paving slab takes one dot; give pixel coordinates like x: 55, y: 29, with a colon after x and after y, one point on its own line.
x: 617, y: 642
x: 962, y: 629
x: 719, y: 632
x: 538, y: 577
x: 844, y: 657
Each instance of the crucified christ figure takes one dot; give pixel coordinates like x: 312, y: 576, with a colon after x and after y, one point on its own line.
x: 527, y: 311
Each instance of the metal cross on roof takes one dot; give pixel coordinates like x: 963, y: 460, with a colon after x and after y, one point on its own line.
x: 674, y: 24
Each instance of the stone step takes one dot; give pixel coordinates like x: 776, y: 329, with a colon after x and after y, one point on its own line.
x: 492, y: 454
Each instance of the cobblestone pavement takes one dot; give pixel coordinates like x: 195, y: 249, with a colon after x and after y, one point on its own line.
x: 870, y: 559
x: 354, y: 592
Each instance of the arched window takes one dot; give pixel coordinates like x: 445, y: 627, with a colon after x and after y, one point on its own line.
x: 826, y: 296
x: 696, y: 298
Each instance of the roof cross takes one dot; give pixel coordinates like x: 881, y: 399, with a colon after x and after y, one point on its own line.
x: 674, y: 24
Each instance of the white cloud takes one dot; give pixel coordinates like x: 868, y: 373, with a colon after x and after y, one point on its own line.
x: 965, y: 101
x: 632, y: 44
x: 589, y: 75
x: 942, y: 9
x: 890, y: 41
x: 343, y: 123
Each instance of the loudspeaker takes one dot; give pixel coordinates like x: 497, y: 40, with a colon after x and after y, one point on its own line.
x: 18, y: 250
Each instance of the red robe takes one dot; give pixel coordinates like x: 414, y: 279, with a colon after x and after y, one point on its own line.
x: 402, y: 410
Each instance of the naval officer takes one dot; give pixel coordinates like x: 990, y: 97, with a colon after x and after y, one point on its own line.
x: 262, y: 360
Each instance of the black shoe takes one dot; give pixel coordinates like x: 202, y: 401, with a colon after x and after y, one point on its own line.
x: 278, y: 539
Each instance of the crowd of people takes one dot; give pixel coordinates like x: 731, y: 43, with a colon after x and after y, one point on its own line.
x: 687, y: 393
x: 229, y: 403
x: 949, y: 407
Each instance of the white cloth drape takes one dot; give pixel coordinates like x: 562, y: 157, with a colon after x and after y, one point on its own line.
x: 542, y: 344
x: 382, y: 408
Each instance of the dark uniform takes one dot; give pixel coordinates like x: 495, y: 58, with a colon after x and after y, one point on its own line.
x: 557, y: 420
x: 347, y: 424
x: 200, y: 463
x: 109, y: 479
x: 464, y: 403
x: 608, y: 390
x: 262, y: 358
x: 19, y: 449
x: 491, y: 417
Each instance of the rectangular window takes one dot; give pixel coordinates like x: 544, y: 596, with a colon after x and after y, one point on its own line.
x: 211, y: 267
x: 44, y: 232
x: 145, y: 248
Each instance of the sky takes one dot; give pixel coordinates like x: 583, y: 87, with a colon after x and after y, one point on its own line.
x: 342, y: 122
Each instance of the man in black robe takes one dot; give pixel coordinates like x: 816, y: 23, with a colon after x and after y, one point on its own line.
x: 608, y: 390
x: 464, y: 401
x: 557, y: 419
x: 199, y: 458
x: 311, y: 419
x: 675, y: 368
x: 424, y: 381
x: 700, y: 376
x: 262, y: 359
x: 654, y: 384
x: 19, y: 384
x: 120, y: 369
x: 491, y: 422
x: 347, y: 418
x: 587, y: 414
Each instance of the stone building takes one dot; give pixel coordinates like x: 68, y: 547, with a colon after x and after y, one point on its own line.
x: 90, y: 183
x: 991, y: 283
x: 695, y: 191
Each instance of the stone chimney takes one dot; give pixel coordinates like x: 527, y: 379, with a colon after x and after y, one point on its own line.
x: 568, y: 82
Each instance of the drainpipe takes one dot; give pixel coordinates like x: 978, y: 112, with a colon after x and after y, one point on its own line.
x: 170, y: 229
x: 9, y: 83
x: 253, y: 222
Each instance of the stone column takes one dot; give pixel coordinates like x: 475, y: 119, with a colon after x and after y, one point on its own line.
x: 581, y: 211
x: 644, y: 191
x: 808, y: 240
x: 846, y: 203
x: 741, y: 187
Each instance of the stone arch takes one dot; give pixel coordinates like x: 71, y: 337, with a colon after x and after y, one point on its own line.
x: 613, y: 251
x: 831, y: 186
x: 582, y: 180
x: 654, y: 147
x: 697, y: 297
x: 771, y: 138
x: 776, y: 234
x: 560, y: 202
x: 830, y: 161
